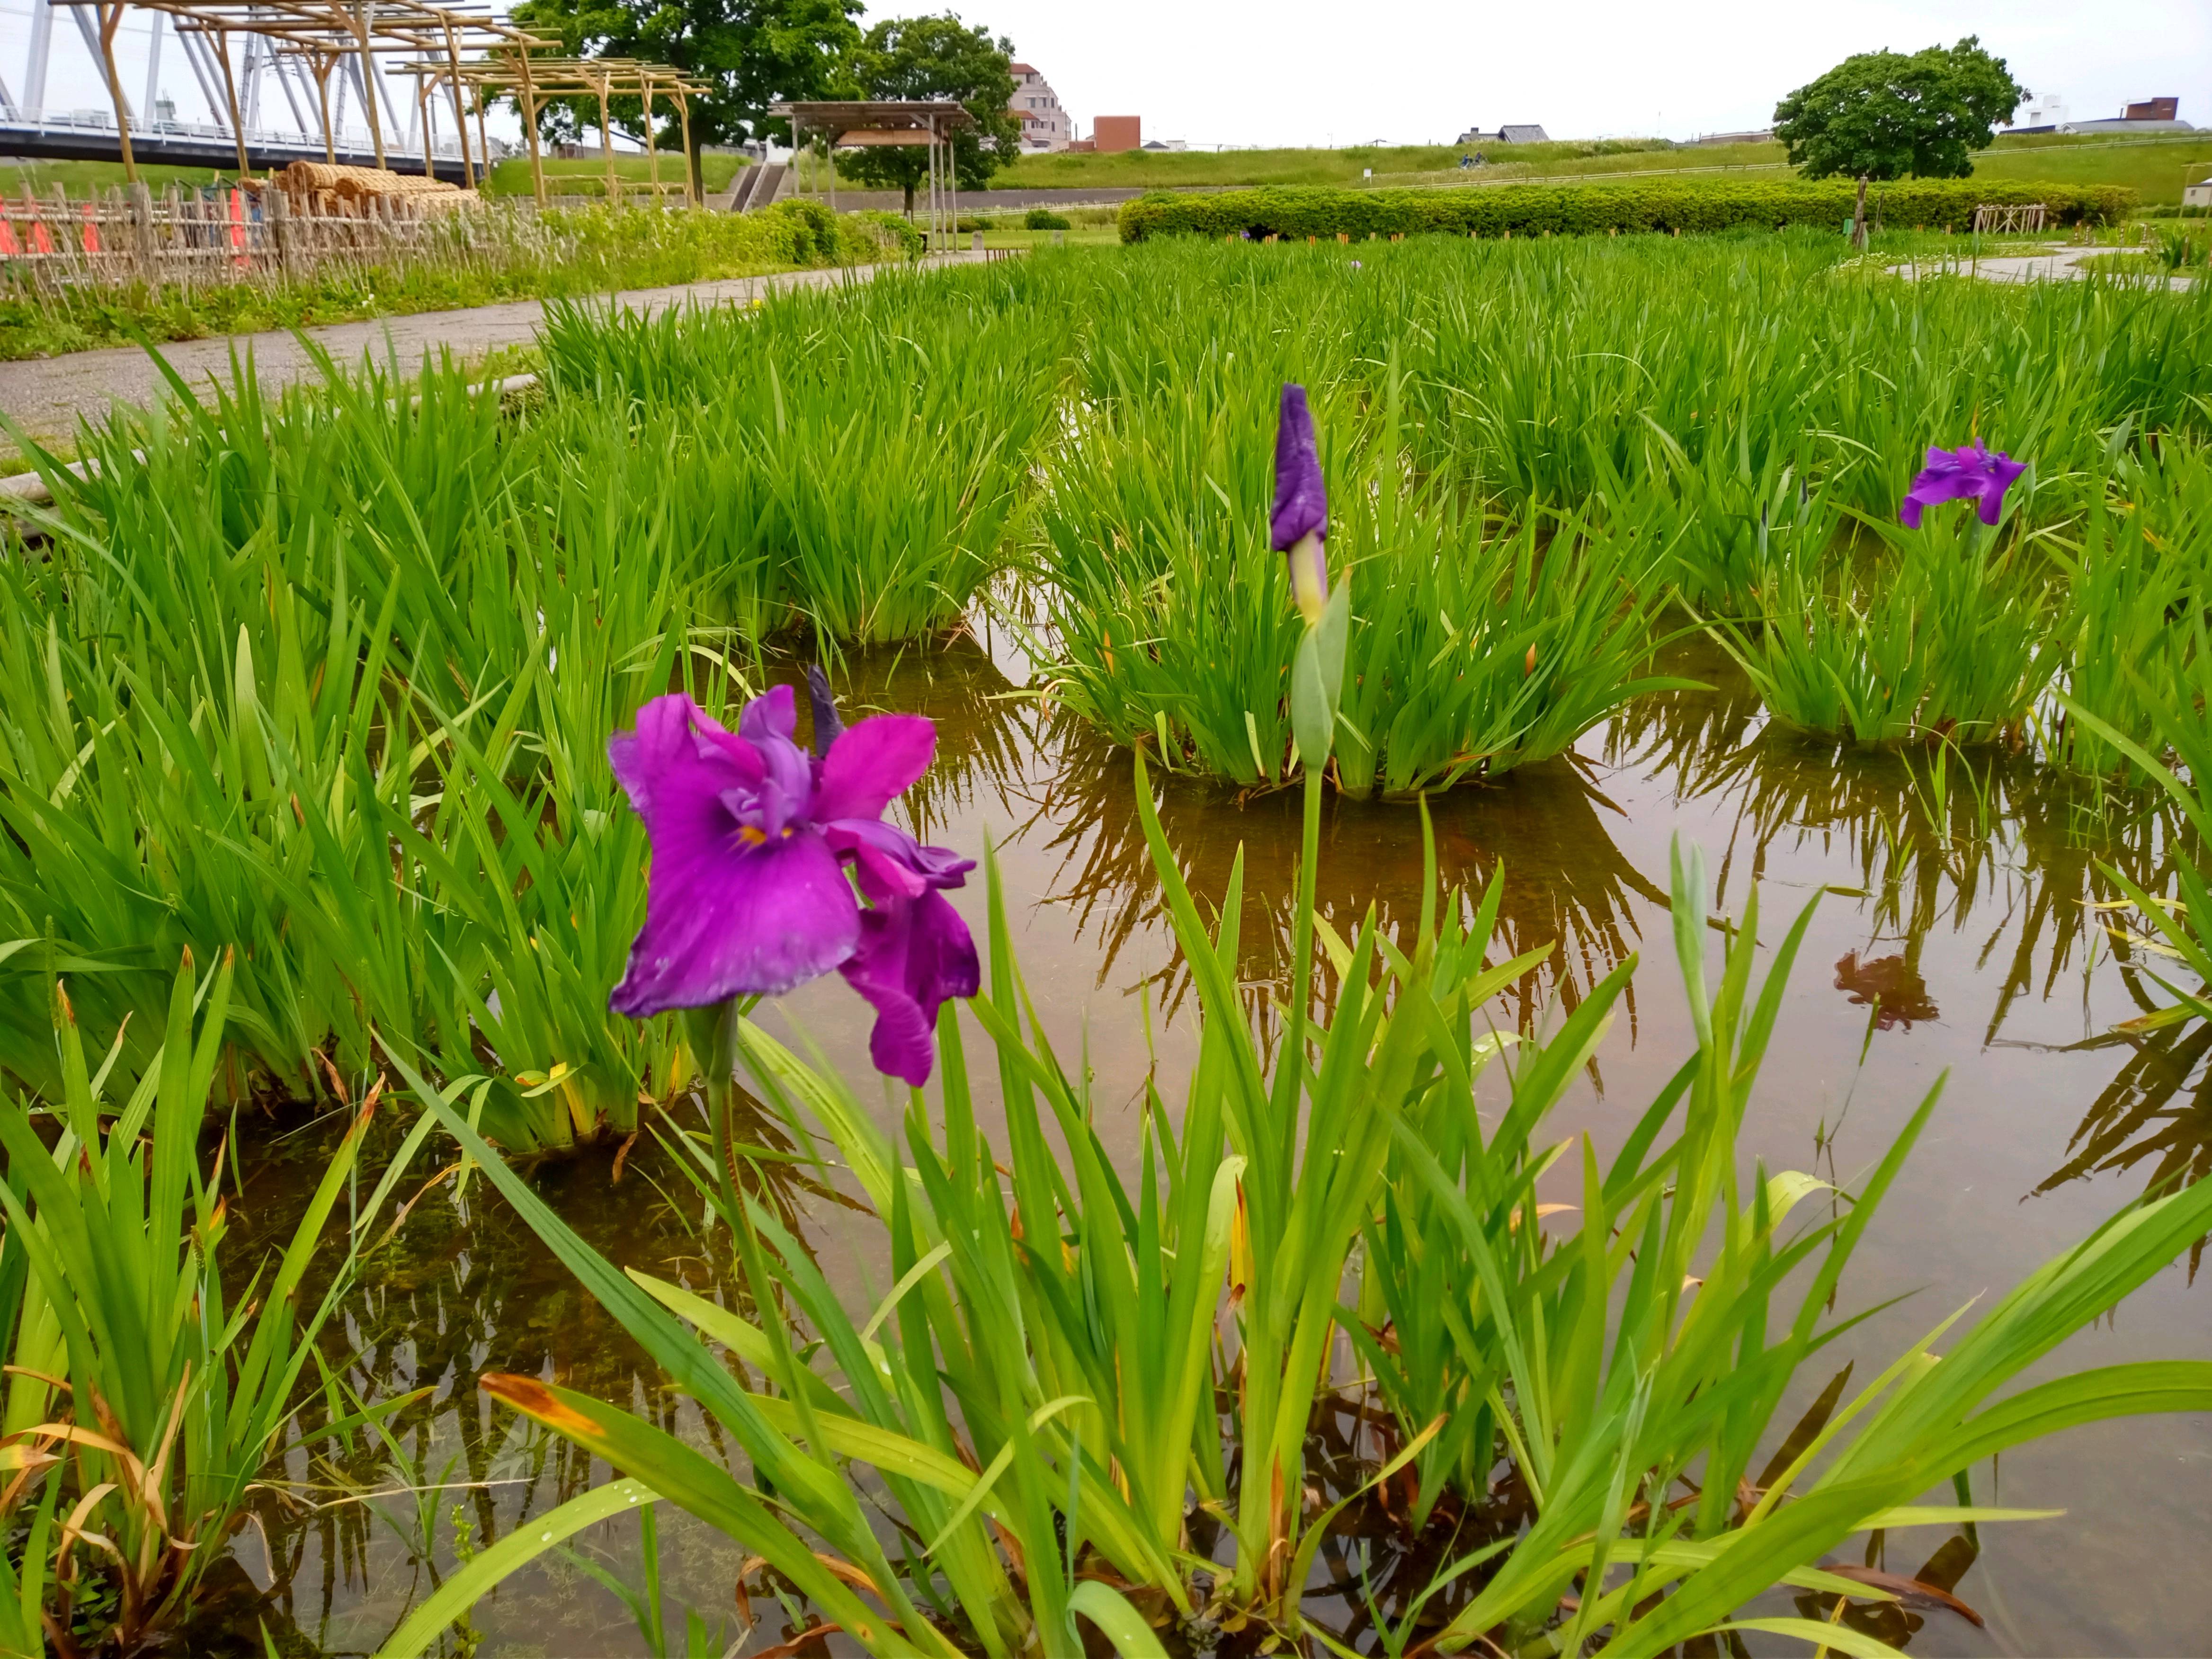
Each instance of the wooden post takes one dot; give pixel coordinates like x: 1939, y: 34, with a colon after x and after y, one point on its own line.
x: 322, y: 63
x: 607, y: 145
x: 695, y: 187
x: 422, y: 102
x: 530, y: 125
x: 141, y: 235
x: 368, y: 83
x: 230, y: 97
x: 280, y: 230
x: 110, y: 14
x: 483, y: 143
x: 460, y: 115
x: 652, y: 154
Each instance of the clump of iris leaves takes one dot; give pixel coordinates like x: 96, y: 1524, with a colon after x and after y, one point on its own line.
x: 311, y: 694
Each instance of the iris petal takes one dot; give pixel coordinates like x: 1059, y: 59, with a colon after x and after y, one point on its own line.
x: 913, y: 955
x: 725, y: 918
x: 872, y: 763
x: 1951, y: 475
x: 931, y: 866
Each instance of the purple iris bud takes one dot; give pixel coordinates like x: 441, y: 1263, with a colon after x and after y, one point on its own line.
x: 823, y: 708
x: 749, y: 894
x: 1299, y: 525
x: 1953, y: 475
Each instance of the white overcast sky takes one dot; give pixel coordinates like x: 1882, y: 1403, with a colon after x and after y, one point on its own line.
x: 1412, y: 71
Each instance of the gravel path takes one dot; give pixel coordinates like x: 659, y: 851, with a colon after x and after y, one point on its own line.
x: 2050, y: 264
x: 45, y: 396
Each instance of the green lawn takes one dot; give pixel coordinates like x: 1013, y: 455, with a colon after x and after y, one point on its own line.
x: 512, y: 176
x: 79, y: 176
x: 1076, y: 236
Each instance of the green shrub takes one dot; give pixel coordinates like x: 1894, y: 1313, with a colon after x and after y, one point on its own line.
x: 1583, y: 209
x: 895, y: 230
x: 1039, y: 218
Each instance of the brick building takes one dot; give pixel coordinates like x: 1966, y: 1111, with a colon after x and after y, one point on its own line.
x: 1114, y: 132
x: 1045, y: 124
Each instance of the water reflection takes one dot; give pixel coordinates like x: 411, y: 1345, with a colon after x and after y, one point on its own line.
x: 1891, y: 986
x: 2154, y: 1119
x: 1987, y: 845
x: 1960, y: 923
x: 354, y: 1529
x: 1568, y: 885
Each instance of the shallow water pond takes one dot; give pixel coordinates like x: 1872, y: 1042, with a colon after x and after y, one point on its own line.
x: 1956, y: 933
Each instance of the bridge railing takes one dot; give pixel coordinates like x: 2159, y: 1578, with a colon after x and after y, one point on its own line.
x: 101, y: 122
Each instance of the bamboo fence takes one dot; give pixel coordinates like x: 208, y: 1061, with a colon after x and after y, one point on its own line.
x: 196, y: 238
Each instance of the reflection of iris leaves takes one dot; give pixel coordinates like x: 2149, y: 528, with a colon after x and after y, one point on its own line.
x: 2157, y: 1110
x: 466, y: 1288
x: 985, y: 736
x: 1983, y: 842
x: 1568, y: 883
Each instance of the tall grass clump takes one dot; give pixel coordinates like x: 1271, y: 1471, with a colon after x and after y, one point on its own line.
x: 861, y: 461
x: 1732, y: 420
x: 1477, y: 645
x: 327, y: 680
x: 1951, y: 635
x: 1095, y: 1394
x: 141, y: 1404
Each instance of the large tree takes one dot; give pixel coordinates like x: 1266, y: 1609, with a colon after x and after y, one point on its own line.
x: 754, y: 52
x: 935, y: 58
x: 1882, y: 115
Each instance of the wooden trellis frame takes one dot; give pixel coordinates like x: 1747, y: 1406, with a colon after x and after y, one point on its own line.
x: 509, y: 72
x: 324, y: 33
x: 1996, y: 218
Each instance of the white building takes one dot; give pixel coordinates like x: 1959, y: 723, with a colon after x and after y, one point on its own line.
x: 1045, y: 124
x: 2199, y: 195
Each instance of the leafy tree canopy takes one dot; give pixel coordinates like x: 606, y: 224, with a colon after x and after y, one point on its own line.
x: 1884, y: 115
x: 755, y: 53
x: 940, y: 57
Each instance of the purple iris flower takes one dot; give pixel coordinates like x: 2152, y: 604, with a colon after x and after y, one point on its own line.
x: 1300, y: 524
x: 749, y: 894
x: 1953, y: 475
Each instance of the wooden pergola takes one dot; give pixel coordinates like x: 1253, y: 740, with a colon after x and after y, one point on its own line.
x: 509, y: 72
x: 865, y: 123
x: 324, y: 33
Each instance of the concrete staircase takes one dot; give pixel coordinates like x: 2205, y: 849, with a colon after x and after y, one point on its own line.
x: 760, y: 186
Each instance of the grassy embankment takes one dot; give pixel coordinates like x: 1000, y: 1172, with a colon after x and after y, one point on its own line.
x: 2156, y: 169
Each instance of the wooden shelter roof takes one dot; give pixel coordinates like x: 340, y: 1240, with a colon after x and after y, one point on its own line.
x: 877, y: 115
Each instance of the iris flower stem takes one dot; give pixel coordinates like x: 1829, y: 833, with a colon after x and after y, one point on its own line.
x: 1302, y: 933
x: 718, y: 1047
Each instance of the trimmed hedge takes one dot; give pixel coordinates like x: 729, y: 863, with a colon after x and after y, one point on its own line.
x: 1581, y: 209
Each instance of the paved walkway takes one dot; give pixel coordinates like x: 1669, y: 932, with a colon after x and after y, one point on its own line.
x: 45, y: 395
x: 2047, y: 265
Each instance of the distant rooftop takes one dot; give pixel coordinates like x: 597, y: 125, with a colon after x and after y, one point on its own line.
x: 1526, y: 133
